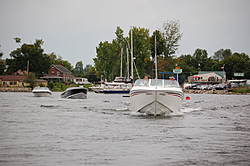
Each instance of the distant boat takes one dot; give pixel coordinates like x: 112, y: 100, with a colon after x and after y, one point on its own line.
x: 117, y: 88
x: 156, y: 97
x: 98, y: 89
x: 41, y: 91
x: 119, y: 85
x: 75, y: 93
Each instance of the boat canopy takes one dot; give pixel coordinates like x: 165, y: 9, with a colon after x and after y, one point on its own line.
x: 156, y: 82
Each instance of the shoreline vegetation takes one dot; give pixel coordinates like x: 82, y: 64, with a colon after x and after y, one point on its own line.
x: 240, y: 91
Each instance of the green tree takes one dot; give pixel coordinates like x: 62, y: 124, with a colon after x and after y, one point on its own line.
x: 2, y: 63
x: 31, y: 79
x: 236, y: 63
x: 172, y: 36
x: 79, y: 68
x: 105, y: 61
x: 29, y: 56
x: 201, y: 61
x: 221, y: 54
x: 141, y: 49
x: 86, y: 69
x: 18, y: 40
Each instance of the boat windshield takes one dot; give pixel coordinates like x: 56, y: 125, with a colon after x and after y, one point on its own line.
x: 156, y: 82
x: 141, y: 82
x: 40, y: 88
x: 171, y: 83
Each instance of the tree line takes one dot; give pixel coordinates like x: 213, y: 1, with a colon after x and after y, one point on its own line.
x: 111, y: 56
x: 32, y: 58
x: 163, y: 43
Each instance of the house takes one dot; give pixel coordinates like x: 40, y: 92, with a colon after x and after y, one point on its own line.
x: 81, y: 81
x: 16, y: 80
x: 208, y: 77
x: 59, y: 73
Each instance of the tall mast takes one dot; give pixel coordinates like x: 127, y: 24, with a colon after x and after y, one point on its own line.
x: 127, y: 62
x: 132, y: 53
x: 155, y: 59
x: 121, y: 62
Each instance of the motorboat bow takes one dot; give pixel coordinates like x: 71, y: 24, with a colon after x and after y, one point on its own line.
x: 41, y: 91
x: 156, y: 97
x: 75, y: 93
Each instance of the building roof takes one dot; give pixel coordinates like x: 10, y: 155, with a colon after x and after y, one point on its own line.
x: 62, y: 68
x: 220, y: 73
x: 11, y: 77
x: 57, y: 77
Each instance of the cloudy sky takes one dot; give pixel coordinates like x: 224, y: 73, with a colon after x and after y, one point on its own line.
x: 74, y: 28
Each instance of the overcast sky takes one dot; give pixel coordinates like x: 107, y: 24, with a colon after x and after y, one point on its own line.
x: 74, y: 28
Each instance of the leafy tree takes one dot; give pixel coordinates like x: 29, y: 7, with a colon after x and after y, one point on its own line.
x: 18, y: 40
x: 221, y: 54
x: 236, y: 63
x: 86, y: 69
x: 141, y: 49
x: 201, y: 60
x: 105, y: 61
x: 160, y: 43
x: 79, y: 68
x: 31, y: 54
x: 31, y: 79
x: 172, y: 36
x: 92, y: 76
x: 2, y: 63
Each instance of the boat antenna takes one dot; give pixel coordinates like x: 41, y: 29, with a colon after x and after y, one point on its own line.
x: 155, y: 59
x: 132, y: 53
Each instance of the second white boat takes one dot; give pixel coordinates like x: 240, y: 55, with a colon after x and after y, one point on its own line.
x: 156, y: 97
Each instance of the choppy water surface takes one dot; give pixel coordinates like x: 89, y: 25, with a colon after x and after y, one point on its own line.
x: 100, y: 130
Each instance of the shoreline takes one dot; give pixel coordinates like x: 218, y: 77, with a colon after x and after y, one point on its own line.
x: 221, y: 92
x: 190, y: 91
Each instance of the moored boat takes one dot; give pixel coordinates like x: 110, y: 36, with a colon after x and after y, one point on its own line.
x: 75, y: 93
x: 98, y: 89
x: 156, y: 97
x: 41, y: 91
x: 117, y: 88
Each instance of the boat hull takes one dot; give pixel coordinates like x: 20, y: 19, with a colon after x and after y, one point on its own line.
x: 115, y: 91
x: 42, y: 94
x: 156, y: 102
x: 80, y: 95
x: 75, y: 93
x: 97, y: 89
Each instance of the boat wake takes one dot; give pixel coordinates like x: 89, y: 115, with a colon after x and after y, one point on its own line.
x: 186, y: 110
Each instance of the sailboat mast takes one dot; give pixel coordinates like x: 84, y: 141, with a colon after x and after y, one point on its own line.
x: 132, y: 54
x: 121, y: 62
x: 155, y: 59
x: 127, y: 62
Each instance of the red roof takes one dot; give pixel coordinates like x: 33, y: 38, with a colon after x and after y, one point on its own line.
x: 11, y: 77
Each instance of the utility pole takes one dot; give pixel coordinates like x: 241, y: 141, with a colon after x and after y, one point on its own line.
x: 28, y: 66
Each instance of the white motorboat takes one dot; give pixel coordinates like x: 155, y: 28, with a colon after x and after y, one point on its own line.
x: 117, y: 88
x: 75, y: 93
x: 98, y: 89
x: 41, y: 91
x: 119, y: 85
x: 156, y: 97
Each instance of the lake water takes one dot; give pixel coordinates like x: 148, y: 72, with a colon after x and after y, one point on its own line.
x: 100, y: 130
